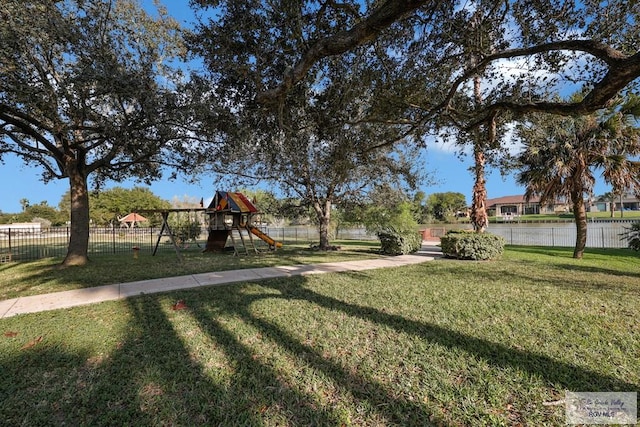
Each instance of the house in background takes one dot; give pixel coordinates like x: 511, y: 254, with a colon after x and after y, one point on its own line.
x: 509, y: 207
x: 628, y: 203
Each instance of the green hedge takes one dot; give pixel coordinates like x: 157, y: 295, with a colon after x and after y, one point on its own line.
x: 463, y: 244
x: 632, y: 236
x: 393, y: 242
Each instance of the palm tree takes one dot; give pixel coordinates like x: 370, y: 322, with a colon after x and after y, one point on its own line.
x: 562, y: 153
x: 609, y: 197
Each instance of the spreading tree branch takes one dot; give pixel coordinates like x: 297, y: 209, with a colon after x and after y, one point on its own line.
x: 363, y: 32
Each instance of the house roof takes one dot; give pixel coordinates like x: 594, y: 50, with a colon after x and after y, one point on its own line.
x: 231, y: 202
x: 511, y: 200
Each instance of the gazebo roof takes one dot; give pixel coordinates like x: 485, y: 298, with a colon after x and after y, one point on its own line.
x: 133, y: 217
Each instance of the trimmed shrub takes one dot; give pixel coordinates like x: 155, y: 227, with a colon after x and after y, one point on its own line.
x: 464, y: 244
x: 399, y: 242
x: 632, y: 236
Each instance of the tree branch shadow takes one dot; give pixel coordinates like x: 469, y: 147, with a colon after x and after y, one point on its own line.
x: 562, y: 374
x: 397, y: 411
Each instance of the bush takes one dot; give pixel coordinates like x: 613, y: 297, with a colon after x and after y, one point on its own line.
x: 462, y: 244
x: 399, y: 242
x: 632, y: 236
x: 186, y: 232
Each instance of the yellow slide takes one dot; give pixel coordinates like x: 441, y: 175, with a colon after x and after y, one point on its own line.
x: 272, y: 243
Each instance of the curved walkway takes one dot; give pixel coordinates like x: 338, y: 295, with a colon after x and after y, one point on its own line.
x: 73, y: 298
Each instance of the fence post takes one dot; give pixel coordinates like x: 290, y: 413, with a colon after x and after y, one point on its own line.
x: 113, y: 239
x: 553, y: 240
x: 602, y: 234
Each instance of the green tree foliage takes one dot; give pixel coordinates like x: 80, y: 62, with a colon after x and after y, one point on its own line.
x: 562, y: 154
x: 451, y: 69
x: 396, y: 228
x: 632, y: 236
x: 85, y: 92
x: 108, y: 206
x: 314, y: 148
x: 41, y: 212
x: 445, y: 206
x: 390, y: 214
x: 436, y: 36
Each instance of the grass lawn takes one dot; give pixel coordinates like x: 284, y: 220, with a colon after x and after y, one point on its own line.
x: 450, y: 343
x: 43, y: 276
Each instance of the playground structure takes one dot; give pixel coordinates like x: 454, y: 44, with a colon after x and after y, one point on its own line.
x: 231, y: 215
x: 166, y: 229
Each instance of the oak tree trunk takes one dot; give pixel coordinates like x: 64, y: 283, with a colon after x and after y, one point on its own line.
x: 323, y: 214
x: 79, y: 234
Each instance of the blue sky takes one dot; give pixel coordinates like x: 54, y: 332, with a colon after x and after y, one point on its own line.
x: 452, y: 174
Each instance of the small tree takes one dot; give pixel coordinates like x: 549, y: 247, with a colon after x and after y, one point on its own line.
x: 395, y: 225
x: 444, y: 206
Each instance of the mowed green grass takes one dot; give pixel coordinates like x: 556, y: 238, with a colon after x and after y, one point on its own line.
x: 44, y: 276
x: 450, y: 343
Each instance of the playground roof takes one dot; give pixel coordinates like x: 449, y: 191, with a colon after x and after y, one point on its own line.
x: 231, y: 202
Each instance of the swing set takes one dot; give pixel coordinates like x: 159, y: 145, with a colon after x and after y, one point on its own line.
x: 230, y: 215
x: 176, y: 237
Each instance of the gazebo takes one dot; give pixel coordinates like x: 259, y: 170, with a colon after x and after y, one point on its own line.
x: 131, y: 220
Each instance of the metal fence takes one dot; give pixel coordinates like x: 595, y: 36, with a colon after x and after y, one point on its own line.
x: 23, y: 244
x: 599, y: 235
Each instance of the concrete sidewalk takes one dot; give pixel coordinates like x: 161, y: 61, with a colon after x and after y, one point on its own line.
x: 73, y: 298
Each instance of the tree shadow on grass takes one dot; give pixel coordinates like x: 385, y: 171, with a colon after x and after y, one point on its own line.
x: 368, y: 392
x: 146, y: 380
x: 152, y: 378
x: 563, y: 375
x: 599, y: 270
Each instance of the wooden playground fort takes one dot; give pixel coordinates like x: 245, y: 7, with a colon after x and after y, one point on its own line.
x: 231, y: 216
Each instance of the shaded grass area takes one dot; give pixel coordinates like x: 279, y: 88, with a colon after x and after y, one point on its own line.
x: 448, y: 343
x: 44, y: 276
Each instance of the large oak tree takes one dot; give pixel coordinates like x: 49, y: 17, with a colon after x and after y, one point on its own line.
x: 468, y: 66
x: 85, y: 93
x: 601, y: 40
x: 316, y: 147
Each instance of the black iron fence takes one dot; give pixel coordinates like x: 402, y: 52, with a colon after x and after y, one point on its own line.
x: 30, y: 244
x: 24, y: 244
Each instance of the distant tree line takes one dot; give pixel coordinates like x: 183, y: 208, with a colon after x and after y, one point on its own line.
x: 384, y: 206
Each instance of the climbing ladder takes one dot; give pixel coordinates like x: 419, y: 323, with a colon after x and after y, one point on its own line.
x: 236, y: 234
